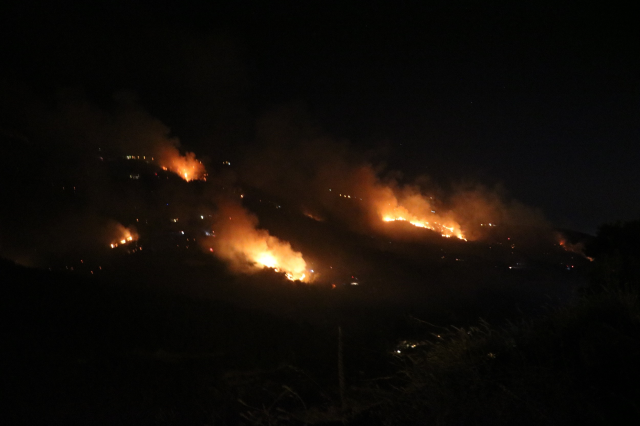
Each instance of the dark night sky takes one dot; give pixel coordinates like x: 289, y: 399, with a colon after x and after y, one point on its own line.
x: 544, y: 100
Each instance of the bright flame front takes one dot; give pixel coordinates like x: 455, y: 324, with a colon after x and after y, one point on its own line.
x: 292, y: 266
x: 249, y: 249
x: 417, y: 210
x: 445, y: 231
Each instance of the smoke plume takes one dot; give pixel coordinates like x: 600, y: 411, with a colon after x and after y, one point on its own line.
x: 237, y: 240
x: 303, y: 166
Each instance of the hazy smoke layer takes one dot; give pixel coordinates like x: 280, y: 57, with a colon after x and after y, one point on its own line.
x: 69, y: 123
x: 306, y: 168
x: 66, y: 158
x: 70, y: 156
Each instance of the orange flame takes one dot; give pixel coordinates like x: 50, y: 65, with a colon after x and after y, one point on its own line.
x: 125, y: 236
x: 249, y: 249
x: 187, y: 167
x: 417, y: 210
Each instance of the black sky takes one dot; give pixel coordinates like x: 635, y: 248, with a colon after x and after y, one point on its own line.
x: 544, y: 100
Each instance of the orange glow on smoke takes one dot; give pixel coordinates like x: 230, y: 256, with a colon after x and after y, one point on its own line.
x: 265, y: 251
x: 187, y: 167
x: 446, y: 231
x: 577, y: 248
x: 267, y: 260
x: 125, y: 236
x: 249, y: 249
x: 417, y: 210
x: 292, y: 265
x: 313, y: 216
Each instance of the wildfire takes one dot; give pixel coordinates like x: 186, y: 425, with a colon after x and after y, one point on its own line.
x: 269, y: 260
x: 417, y: 210
x: 187, y: 167
x: 262, y: 250
x: 125, y: 236
x: 248, y: 249
x: 446, y: 231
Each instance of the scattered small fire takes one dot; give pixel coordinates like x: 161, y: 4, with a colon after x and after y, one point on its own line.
x: 125, y: 236
x: 187, y: 166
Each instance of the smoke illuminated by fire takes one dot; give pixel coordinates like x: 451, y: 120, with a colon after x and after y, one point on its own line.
x: 249, y: 249
x: 434, y: 226
x: 300, y: 164
x: 577, y: 248
x: 418, y: 211
x: 293, y: 162
x: 313, y: 216
x: 388, y: 201
x: 123, y: 236
x: 187, y: 167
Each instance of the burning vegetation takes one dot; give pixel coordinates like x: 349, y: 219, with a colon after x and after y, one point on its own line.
x: 299, y: 164
x: 248, y: 249
x: 187, y: 166
x: 293, y: 163
x: 417, y: 210
x: 124, y: 236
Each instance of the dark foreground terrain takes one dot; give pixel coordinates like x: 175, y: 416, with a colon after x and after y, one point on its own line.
x: 150, y: 341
